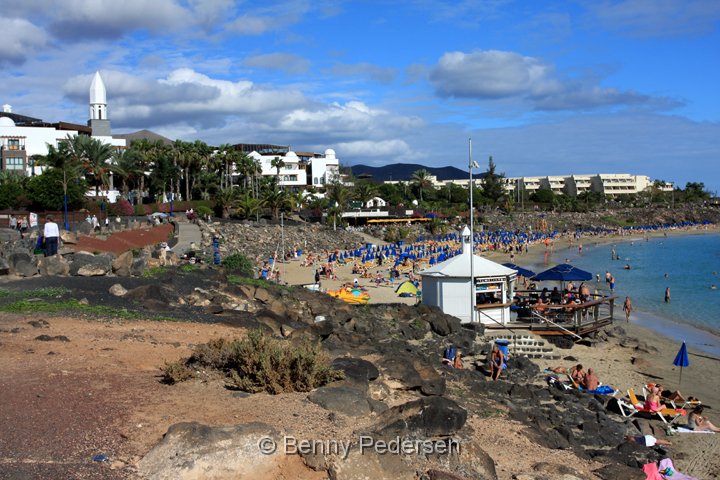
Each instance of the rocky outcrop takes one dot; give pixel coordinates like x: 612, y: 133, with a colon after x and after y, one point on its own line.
x: 22, y: 264
x: 54, y: 266
x: 89, y: 265
x: 195, y: 451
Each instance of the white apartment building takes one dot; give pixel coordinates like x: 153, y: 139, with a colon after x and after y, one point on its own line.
x: 299, y: 169
x: 21, y: 136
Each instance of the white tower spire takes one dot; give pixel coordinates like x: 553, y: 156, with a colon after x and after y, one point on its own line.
x: 98, y: 99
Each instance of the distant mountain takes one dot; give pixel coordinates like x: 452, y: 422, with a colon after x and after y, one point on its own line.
x: 404, y: 171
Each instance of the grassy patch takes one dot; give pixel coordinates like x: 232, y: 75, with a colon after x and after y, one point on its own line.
x: 617, y: 221
x: 154, y: 272
x: 188, y: 268
x: 74, y: 305
x: 256, y: 282
x: 260, y: 363
x: 37, y: 292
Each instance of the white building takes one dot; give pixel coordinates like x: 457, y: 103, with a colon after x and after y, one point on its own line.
x: 447, y: 286
x: 299, y: 169
x: 22, y: 136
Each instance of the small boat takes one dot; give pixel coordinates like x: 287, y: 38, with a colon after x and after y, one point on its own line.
x: 350, y: 295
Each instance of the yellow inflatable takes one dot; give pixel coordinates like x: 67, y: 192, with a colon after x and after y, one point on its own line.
x: 350, y: 295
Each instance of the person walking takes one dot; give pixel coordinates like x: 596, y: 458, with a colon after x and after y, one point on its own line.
x: 627, y: 308
x: 667, y: 295
x: 51, y: 233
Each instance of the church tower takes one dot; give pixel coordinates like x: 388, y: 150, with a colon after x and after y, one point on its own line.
x: 98, y: 108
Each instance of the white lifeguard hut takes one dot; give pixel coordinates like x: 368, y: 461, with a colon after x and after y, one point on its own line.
x: 447, y: 286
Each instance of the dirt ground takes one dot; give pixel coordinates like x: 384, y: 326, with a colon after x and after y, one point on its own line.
x: 126, y: 240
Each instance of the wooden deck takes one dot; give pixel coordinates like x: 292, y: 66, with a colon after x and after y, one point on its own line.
x: 562, y: 320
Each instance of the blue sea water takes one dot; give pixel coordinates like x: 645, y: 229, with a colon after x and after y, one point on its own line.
x: 688, y: 264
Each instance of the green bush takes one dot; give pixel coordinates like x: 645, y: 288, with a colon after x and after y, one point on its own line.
x: 140, y: 210
x: 203, y: 211
x: 260, y: 363
x: 176, y: 372
x: 238, y: 263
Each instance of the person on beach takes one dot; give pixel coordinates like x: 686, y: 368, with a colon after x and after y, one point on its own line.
x: 577, y: 373
x: 591, y: 381
x: 647, y: 440
x: 51, y: 234
x: 627, y: 308
x: 667, y: 294
x: 497, y: 359
x: 699, y: 423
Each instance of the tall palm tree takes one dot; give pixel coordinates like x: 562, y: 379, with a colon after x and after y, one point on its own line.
x: 339, y: 196
x: 96, y: 157
x: 68, y: 162
x: 421, y: 180
x: 148, y: 152
x: 277, y: 163
x: 225, y: 199
x: 127, y: 168
x: 364, y: 191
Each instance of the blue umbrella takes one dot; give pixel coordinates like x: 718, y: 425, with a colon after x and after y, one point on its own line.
x: 563, y: 273
x: 681, y: 359
x: 520, y: 270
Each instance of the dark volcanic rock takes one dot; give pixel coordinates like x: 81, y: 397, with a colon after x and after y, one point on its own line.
x: 56, y: 338
x: 88, y: 265
x: 23, y: 264
x: 356, y: 369
x: 422, y: 418
x: 350, y: 401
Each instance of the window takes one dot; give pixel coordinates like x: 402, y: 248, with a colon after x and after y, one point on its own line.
x: 14, y: 163
x: 13, y: 144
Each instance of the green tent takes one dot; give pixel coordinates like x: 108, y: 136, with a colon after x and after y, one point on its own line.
x: 407, y: 287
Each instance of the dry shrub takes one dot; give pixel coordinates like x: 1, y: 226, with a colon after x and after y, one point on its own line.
x: 176, y: 372
x: 263, y: 363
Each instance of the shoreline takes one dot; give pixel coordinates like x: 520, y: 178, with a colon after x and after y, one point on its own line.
x: 671, y: 328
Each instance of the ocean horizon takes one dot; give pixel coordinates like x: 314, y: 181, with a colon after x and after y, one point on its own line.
x: 688, y: 264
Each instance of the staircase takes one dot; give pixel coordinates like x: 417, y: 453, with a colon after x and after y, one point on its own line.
x: 529, y: 345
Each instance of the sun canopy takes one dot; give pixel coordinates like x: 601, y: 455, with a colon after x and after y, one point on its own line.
x: 406, y: 287
x: 563, y: 273
x: 520, y: 270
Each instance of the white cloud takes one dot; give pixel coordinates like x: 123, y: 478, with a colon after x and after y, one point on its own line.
x: 82, y: 19
x: 493, y: 75
x: 19, y: 39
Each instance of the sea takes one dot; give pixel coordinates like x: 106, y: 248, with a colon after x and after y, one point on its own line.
x: 689, y: 264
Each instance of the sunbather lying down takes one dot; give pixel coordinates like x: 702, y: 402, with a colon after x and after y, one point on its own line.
x: 647, y: 440
x: 669, y: 395
x: 699, y: 423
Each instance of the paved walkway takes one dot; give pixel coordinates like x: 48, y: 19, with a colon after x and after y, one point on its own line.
x: 187, y: 234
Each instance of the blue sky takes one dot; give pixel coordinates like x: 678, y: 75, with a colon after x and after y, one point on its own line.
x: 551, y: 87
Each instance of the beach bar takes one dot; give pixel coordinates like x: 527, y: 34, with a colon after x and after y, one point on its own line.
x: 447, y: 286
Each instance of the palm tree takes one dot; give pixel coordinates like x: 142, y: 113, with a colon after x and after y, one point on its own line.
x: 364, y: 192
x: 68, y: 162
x: 96, y: 164
x: 421, y: 180
x: 127, y: 168
x: 248, y: 206
x: 225, y: 199
x: 338, y: 195
x: 276, y: 200
x: 277, y: 163
x: 148, y: 152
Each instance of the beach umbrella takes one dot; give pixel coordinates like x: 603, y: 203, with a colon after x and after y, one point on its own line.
x: 681, y: 359
x: 520, y: 270
x: 563, y: 273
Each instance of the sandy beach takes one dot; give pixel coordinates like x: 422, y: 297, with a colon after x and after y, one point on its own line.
x: 617, y: 366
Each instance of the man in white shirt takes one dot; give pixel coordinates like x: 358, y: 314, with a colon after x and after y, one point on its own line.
x: 51, y: 233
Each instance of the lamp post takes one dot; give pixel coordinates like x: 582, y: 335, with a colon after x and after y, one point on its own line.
x: 471, y: 244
